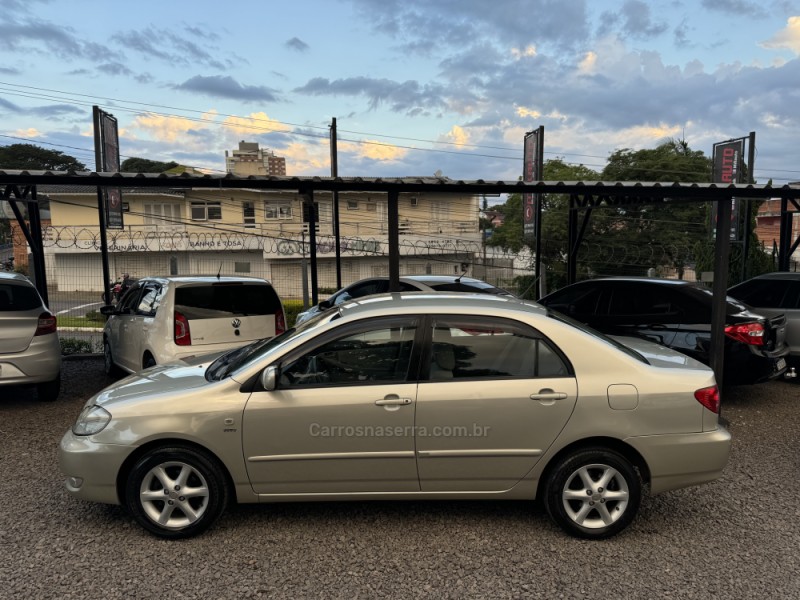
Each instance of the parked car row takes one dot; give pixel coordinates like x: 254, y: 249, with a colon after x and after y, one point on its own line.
x: 579, y: 401
x: 677, y: 314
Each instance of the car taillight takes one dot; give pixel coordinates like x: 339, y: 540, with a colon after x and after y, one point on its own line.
x: 747, y: 333
x: 183, y: 336
x: 709, y: 397
x: 47, y: 324
x: 280, y: 322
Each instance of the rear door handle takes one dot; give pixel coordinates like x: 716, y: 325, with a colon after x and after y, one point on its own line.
x: 548, y: 394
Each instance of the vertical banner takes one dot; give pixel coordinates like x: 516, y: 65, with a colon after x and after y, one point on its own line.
x: 109, y: 163
x: 532, y: 157
x: 727, y: 162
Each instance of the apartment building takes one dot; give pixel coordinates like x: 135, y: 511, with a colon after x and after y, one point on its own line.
x: 261, y: 233
x: 249, y: 159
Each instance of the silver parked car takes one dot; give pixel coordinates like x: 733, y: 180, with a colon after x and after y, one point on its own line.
x: 405, y: 396
x: 408, y: 283
x: 161, y: 319
x: 30, y: 353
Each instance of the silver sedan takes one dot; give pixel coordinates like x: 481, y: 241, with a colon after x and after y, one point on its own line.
x: 405, y: 396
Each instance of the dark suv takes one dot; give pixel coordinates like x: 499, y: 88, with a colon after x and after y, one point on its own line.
x: 775, y: 294
x: 677, y: 314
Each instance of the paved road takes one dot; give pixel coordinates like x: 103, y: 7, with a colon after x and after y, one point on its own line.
x: 736, y: 538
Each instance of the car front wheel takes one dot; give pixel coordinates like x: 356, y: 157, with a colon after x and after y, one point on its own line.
x: 593, y: 493
x: 176, y: 492
x: 108, y: 360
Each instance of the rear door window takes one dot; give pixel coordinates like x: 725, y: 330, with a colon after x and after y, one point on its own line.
x: 762, y: 293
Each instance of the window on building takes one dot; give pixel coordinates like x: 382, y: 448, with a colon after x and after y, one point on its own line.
x: 440, y: 210
x: 206, y: 211
x: 352, y: 205
x: 277, y: 209
x: 249, y: 214
x: 241, y: 267
x: 162, y: 213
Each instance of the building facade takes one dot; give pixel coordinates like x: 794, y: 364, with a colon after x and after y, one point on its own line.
x: 260, y: 233
x: 249, y: 159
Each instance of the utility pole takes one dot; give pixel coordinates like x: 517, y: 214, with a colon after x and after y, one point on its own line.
x: 336, y: 233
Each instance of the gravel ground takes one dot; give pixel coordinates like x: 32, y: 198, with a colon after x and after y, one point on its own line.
x: 735, y: 538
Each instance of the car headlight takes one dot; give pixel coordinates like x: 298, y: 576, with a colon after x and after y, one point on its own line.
x: 92, y: 419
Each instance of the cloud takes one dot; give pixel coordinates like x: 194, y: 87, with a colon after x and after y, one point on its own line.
x: 458, y: 136
x: 425, y: 26
x: 255, y: 123
x: 42, y: 37
x: 219, y: 86
x: 296, y: 44
x: 637, y: 21
x: 166, y: 128
x: 51, y: 112
x: 167, y: 46
x: 400, y: 97
x: 114, y: 68
x: 740, y: 8
x: 373, y: 150
x: 520, y: 53
x: 9, y: 71
x: 787, y: 38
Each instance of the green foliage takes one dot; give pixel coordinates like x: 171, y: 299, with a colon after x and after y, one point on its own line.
x: 291, y: 309
x: 144, y: 165
x: 34, y: 158
x: 71, y: 345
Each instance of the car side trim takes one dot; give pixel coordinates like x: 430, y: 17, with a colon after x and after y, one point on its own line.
x: 473, y: 453
x: 331, y: 456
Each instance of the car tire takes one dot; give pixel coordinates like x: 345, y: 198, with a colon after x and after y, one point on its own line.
x: 593, y: 493
x: 156, y: 492
x: 48, y: 391
x: 109, y: 366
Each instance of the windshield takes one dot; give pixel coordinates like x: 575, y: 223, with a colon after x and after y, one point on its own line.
x: 593, y: 332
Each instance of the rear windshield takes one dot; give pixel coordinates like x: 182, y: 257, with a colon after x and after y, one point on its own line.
x: 223, y: 299
x: 18, y: 297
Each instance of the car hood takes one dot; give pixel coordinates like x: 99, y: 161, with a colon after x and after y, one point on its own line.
x: 659, y: 356
x: 162, y: 380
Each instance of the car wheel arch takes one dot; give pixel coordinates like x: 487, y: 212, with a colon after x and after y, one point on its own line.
x: 628, y: 452
x: 128, y: 464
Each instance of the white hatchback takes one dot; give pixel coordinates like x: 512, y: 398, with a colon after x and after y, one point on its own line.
x: 161, y: 319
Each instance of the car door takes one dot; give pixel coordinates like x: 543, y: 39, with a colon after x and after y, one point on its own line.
x: 122, y: 334
x: 341, y: 417
x: 143, y: 322
x: 494, y: 395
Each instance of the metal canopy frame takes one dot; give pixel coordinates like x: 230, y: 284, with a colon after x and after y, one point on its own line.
x: 585, y: 196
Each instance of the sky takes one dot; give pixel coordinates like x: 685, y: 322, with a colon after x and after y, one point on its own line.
x: 416, y: 86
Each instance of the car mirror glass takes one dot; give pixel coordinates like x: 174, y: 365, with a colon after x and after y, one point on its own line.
x: 108, y: 310
x: 324, y: 305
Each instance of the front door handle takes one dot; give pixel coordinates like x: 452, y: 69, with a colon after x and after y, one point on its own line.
x: 548, y: 394
x: 393, y: 401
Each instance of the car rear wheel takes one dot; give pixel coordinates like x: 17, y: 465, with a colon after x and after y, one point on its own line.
x: 48, y: 391
x: 593, y: 493
x: 108, y: 360
x: 176, y: 492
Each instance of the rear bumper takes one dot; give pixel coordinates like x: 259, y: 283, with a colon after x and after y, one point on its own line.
x: 682, y: 460
x: 744, y: 366
x: 39, y: 363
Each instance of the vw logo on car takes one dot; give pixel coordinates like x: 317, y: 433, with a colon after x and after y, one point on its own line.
x: 236, y: 323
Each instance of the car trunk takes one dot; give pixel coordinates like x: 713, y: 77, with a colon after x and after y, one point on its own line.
x: 18, y: 329
x: 224, y: 313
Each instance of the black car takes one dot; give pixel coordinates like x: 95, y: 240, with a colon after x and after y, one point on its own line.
x: 677, y: 314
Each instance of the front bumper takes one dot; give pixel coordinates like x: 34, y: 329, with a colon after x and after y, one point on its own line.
x: 91, y: 469
x: 682, y: 460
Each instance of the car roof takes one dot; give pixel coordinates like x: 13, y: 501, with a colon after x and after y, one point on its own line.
x: 632, y: 278
x: 400, y: 303
x: 15, y: 277
x: 204, y: 279
x: 779, y: 275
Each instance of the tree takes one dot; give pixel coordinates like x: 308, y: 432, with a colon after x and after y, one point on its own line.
x: 29, y: 157
x: 144, y: 165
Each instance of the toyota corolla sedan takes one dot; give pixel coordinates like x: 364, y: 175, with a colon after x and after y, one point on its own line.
x: 405, y: 396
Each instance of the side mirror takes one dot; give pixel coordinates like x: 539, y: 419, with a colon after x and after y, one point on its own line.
x: 108, y: 310
x: 324, y: 305
x: 269, y: 377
